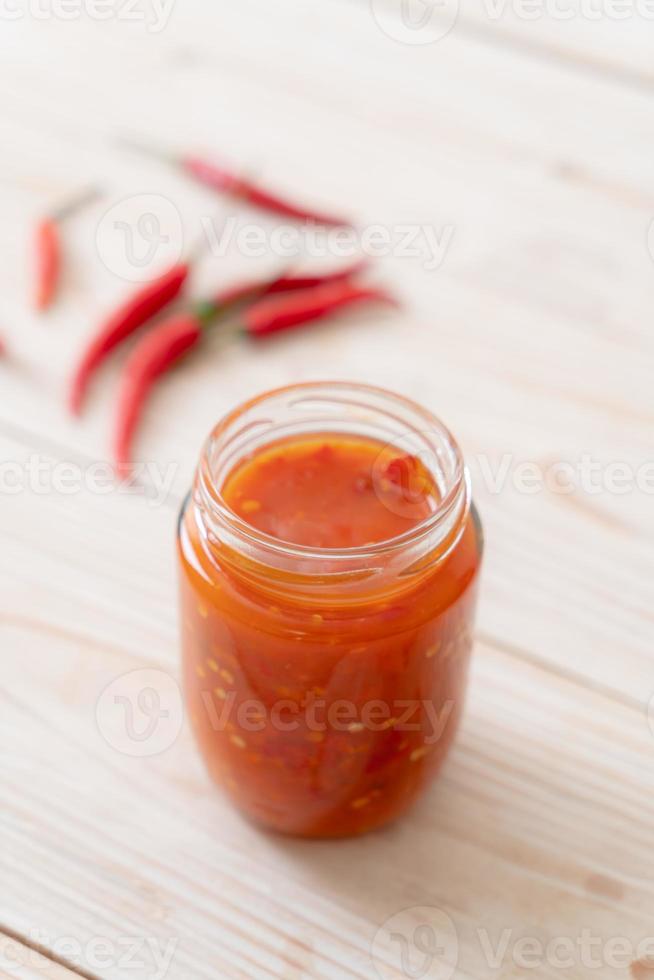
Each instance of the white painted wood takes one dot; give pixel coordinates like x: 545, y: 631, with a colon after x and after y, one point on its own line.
x: 545, y: 803
x: 532, y: 339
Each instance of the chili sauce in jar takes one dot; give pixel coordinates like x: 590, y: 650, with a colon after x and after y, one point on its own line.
x: 329, y: 561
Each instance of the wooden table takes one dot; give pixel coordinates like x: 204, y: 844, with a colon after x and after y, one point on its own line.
x: 526, y: 147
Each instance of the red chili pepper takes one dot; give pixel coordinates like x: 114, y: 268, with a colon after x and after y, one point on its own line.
x: 285, y: 312
x: 155, y: 353
x: 227, y: 182
x: 47, y: 247
x: 171, y: 340
x: 132, y: 314
x: 287, y: 283
x: 284, y: 283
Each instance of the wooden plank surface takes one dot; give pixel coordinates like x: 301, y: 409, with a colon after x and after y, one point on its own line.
x: 545, y: 804
x: 525, y: 147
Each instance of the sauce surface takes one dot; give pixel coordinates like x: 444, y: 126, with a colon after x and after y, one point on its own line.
x: 331, y: 491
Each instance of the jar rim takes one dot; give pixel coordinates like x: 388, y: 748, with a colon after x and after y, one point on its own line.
x: 455, y: 495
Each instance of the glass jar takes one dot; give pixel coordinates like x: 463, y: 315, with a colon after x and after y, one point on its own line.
x: 324, y: 685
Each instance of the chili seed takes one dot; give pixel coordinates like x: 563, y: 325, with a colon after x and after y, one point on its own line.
x: 418, y: 753
x: 250, y: 506
x: 238, y: 741
x: 450, y: 650
x: 360, y: 803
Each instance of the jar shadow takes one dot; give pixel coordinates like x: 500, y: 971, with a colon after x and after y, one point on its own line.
x: 416, y: 861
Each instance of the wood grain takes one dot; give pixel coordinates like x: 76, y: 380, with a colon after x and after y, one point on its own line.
x: 120, y: 848
x: 532, y: 339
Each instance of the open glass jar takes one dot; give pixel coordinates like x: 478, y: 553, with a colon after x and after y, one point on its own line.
x: 325, y: 684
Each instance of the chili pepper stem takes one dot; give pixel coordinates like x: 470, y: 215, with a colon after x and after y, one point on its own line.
x: 75, y: 203
x: 149, y: 150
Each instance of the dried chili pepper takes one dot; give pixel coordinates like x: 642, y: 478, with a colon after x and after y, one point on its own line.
x: 284, y: 312
x: 132, y: 314
x: 155, y: 353
x: 48, y: 250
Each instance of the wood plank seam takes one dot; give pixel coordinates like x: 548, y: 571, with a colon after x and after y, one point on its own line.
x: 42, y: 951
x: 570, y: 676
x: 624, y: 75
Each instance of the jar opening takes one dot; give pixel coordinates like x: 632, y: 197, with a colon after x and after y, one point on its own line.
x: 339, y: 409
